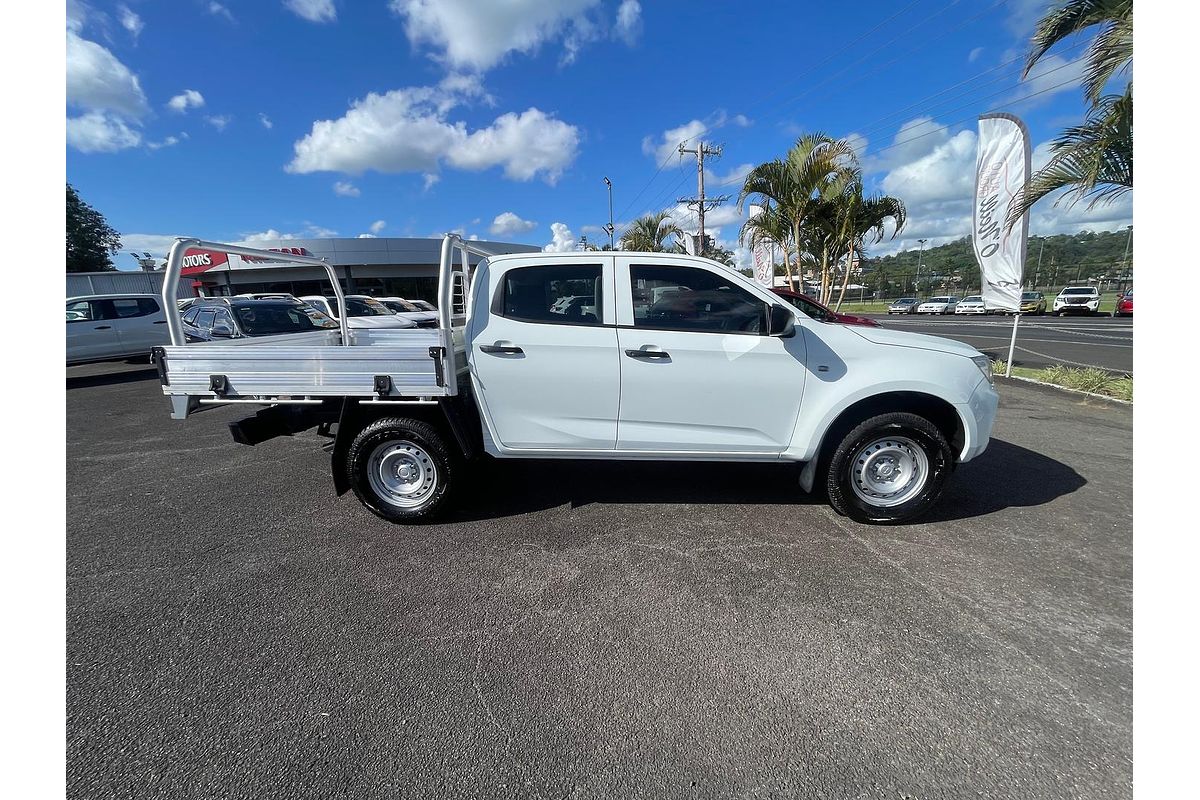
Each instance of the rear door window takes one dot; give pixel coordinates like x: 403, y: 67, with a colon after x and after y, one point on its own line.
x: 553, y: 294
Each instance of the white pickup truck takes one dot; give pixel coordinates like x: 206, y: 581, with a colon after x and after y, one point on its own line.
x: 667, y: 357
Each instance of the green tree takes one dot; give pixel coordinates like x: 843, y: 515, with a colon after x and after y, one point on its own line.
x: 814, y: 167
x: 649, y: 234
x: 1094, y: 159
x: 867, y: 217
x: 91, y: 242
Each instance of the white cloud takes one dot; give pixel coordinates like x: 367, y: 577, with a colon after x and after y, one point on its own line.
x: 346, y: 189
x: 156, y: 244
x: 311, y: 231
x: 508, y: 224
x: 563, y: 241
x: 666, y: 145
x: 97, y: 81
x: 467, y: 34
x: 101, y: 132
x: 312, y: 10
x: 220, y: 121
x: 629, y: 21
x: 218, y: 10
x: 378, y: 225
x: 974, y: 55
x: 170, y: 141
x: 429, y: 179
x: 189, y: 98
x: 367, y: 236
x: 1023, y: 16
x: 130, y: 21
x: 265, y: 120
x: 407, y: 130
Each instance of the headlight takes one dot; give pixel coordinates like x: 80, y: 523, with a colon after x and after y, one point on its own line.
x: 985, y: 366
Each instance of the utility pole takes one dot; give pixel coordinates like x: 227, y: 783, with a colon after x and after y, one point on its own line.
x: 700, y: 202
x: 1126, y: 271
x: 1038, y: 271
x: 611, y: 230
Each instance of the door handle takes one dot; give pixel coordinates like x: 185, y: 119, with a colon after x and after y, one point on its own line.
x: 507, y: 349
x: 649, y: 354
x: 160, y: 322
x: 103, y: 328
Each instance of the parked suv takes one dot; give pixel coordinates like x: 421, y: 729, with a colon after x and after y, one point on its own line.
x: 1033, y: 303
x: 1077, y: 300
x: 236, y: 317
x: 113, y: 326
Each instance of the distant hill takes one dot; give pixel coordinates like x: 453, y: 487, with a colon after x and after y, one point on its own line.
x: 1066, y: 257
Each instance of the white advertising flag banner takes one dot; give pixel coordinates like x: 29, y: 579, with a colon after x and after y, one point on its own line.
x: 764, y: 267
x: 1001, y: 171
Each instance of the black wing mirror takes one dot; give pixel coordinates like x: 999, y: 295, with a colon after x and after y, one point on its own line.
x: 783, y: 322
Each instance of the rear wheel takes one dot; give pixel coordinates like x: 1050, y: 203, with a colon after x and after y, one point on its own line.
x: 400, y: 469
x: 889, y: 469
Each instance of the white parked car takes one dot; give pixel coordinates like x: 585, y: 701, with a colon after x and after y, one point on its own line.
x: 938, y: 305
x: 716, y: 369
x: 971, y: 305
x: 424, y: 305
x: 114, y: 326
x: 420, y: 316
x: 364, y: 312
x: 1077, y: 300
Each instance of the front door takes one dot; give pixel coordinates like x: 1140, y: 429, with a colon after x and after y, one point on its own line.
x: 90, y: 331
x: 542, y: 357
x: 698, y: 371
x: 140, y: 324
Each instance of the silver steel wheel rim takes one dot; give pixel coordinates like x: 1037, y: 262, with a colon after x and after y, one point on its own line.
x: 402, y: 474
x: 889, y: 471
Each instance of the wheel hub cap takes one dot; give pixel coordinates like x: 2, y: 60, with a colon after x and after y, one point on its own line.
x: 889, y: 471
x: 402, y: 473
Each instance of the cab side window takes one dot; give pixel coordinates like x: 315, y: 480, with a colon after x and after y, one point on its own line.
x: 556, y: 295
x: 691, y: 299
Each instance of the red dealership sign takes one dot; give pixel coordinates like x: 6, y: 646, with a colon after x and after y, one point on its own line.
x: 196, y: 260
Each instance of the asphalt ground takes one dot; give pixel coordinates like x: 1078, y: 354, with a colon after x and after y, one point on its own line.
x: 1042, y: 341
x: 590, y: 630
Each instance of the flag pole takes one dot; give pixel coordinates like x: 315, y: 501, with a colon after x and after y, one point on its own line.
x: 1012, y: 345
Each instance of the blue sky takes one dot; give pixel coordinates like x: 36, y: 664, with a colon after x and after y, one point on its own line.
x: 245, y: 121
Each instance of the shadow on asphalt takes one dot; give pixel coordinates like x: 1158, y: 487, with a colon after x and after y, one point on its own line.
x: 1005, y: 476
x: 112, y: 378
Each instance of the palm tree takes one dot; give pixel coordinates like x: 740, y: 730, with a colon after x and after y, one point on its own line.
x: 814, y: 165
x: 649, y: 234
x: 770, y: 227
x: 868, y: 217
x: 1095, y: 158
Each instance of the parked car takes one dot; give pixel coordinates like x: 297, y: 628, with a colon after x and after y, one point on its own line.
x: 1033, y: 303
x: 971, y: 305
x: 363, y: 312
x: 719, y: 369
x: 422, y: 318
x: 268, y: 296
x: 424, y: 305
x: 938, y: 305
x: 1124, y: 307
x: 819, y: 312
x: 1077, y: 300
x: 235, y: 317
x: 905, y: 305
x: 113, y: 326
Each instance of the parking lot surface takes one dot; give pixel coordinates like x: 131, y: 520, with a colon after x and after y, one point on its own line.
x: 590, y: 630
x: 1042, y: 341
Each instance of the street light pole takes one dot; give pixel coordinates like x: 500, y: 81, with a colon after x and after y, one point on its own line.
x: 1128, y: 236
x: 920, y: 253
x: 1039, y: 266
x: 611, y: 229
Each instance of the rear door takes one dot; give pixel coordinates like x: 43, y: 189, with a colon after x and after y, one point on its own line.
x: 543, y: 354
x: 698, y: 371
x: 140, y: 324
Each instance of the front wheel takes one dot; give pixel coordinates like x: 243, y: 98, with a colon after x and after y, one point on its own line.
x: 400, y: 469
x: 889, y: 469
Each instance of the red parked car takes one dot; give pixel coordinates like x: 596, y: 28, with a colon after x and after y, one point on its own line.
x: 819, y: 312
x: 1124, y: 305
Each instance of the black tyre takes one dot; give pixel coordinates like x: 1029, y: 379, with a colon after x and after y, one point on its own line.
x: 889, y: 469
x: 400, y: 469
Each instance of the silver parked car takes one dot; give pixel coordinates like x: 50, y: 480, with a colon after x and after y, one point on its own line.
x: 905, y: 305
x: 114, y: 326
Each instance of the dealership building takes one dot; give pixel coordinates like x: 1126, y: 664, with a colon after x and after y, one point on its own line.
x: 381, y: 267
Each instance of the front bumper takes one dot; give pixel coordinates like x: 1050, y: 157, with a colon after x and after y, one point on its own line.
x: 970, y: 310
x: 978, y: 415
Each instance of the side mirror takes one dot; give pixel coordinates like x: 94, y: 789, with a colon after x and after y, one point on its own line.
x: 783, y: 322
x: 221, y: 330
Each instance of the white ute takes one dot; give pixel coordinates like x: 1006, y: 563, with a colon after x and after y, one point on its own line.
x: 665, y: 357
